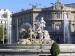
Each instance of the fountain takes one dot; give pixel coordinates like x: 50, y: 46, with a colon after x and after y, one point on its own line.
x: 9, y: 28
x: 9, y: 40
x: 38, y: 47
x: 31, y: 36
x: 67, y: 39
x: 6, y: 20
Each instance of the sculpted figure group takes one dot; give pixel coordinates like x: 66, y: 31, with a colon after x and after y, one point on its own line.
x: 39, y: 34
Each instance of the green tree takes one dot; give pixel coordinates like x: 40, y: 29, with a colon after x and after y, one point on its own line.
x: 1, y: 32
x: 55, y: 50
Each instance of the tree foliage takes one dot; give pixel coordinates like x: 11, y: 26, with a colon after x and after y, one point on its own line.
x: 1, y: 32
x: 55, y: 50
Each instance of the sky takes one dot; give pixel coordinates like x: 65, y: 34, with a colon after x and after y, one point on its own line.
x: 18, y: 5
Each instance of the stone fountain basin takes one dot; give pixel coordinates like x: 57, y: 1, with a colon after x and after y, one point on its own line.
x: 67, y: 48
x: 16, y: 49
x: 24, y: 48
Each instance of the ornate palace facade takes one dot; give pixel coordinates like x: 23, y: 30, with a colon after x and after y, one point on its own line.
x: 54, y: 17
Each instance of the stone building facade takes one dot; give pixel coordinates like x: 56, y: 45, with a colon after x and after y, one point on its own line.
x: 54, y: 17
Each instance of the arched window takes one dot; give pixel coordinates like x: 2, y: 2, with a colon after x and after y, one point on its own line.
x: 57, y: 27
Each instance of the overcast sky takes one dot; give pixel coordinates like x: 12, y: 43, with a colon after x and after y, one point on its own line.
x: 17, y: 5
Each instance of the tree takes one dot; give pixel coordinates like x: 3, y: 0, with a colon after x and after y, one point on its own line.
x: 2, y: 28
x: 55, y: 50
x: 1, y: 32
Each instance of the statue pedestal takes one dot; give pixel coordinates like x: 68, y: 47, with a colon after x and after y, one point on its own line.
x: 35, y: 41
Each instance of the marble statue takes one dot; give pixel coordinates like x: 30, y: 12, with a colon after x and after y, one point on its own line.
x: 41, y: 28
x: 46, y: 35
x: 41, y: 24
x: 29, y: 33
x: 22, y: 29
x: 40, y: 33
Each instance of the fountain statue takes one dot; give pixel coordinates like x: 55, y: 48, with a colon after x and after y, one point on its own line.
x: 41, y: 28
x: 46, y: 35
x: 41, y: 24
x: 31, y: 36
x: 41, y: 31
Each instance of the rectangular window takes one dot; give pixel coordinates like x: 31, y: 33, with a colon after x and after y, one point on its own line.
x: 48, y: 16
x: 1, y: 22
x: 49, y: 28
x: 25, y: 19
x: 57, y: 27
x: 73, y: 28
x: 66, y: 15
x: 30, y: 19
x: 58, y: 16
x: 19, y: 21
x: 74, y: 18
